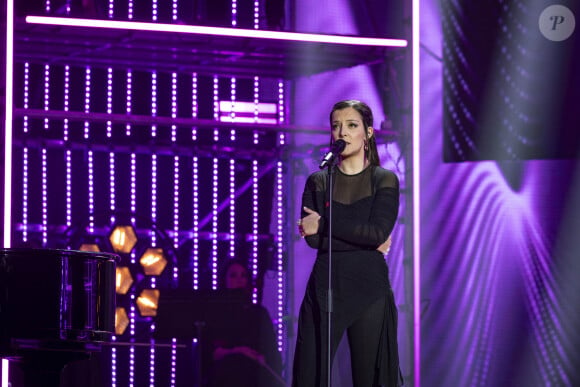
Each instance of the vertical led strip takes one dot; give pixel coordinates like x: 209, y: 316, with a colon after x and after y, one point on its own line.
x: 25, y: 179
x: 153, y: 196
x: 195, y: 252
x: 129, y: 100
x: 46, y: 93
x: 256, y: 107
x: 112, y: 207
x: 109, y: 99
x: 280, y: 251
x: 87, y: 99
x: 133, y: 312
x: 232, y: 208
x: 216, y: 106
x: 68, y: 152
x: 174, y: 7
x: 280, y: 220
x: 90, y: 173
x: 214, y: 224
x: 130, y: 10
x: 255, y: 217
x: 112, y: 191
x: 255, y: 191
x: 153, y: 244
x: 256, y: 14
x: 26, y: 96
x: 65, y: 127
x: 8, y: 145
x: 154, y: 10
x: 281, y: 111
x: 44, y: 198
x: 175, y: 213
x: 416, y: 197
x: 111, y: 10
x: 233, y: 107
x: 25, y: 158
x: 154, y: 102
x: 173, y: 105
x: 233, y: 171
x: 194, y: 104
x: 234, y: 13
x: 68, y: 187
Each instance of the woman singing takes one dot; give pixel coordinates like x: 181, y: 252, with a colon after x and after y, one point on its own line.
x: 365, y: 202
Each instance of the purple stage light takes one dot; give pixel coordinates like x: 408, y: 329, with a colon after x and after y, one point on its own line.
x: 218, y: 31
x: 416, y: 197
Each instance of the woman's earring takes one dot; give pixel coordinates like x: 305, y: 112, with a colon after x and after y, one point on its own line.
x: 366, y: 146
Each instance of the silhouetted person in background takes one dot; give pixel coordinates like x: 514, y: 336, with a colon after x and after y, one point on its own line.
x: 243, y: 347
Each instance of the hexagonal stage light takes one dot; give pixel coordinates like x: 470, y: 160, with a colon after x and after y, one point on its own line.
x: 90, y: 247
x: 153, y: 261
x: 147, y: 302
x: 124, y: 280
x: 123, y: 238
x: 121, y: 320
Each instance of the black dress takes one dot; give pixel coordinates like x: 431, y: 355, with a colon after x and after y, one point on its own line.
x: 365, y: 209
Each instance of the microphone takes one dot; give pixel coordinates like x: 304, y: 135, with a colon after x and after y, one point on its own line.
x: 335, y: 149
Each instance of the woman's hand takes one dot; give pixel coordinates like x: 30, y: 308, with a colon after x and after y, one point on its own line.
x: 309, y: 224
x: 386, y: 246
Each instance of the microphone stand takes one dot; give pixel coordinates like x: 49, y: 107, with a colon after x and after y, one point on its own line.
x: 330, y: 188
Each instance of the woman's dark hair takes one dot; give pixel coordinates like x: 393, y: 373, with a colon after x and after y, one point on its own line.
x: 366, y: 113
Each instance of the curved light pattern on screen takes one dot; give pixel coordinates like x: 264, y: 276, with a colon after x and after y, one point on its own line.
x: 500, y: 262
x: 509, y: 91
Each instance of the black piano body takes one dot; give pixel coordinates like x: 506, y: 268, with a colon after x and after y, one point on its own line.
x: 56, y: 306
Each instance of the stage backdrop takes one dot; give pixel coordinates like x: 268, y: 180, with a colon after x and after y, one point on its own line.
x: 500, y: 265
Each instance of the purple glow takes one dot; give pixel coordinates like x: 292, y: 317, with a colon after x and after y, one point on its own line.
x: 8, y: 134
x: 218, y: 31
x: 416, y: 198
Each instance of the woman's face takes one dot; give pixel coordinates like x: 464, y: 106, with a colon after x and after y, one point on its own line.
x: 237, y: 277
x: 347, y: 124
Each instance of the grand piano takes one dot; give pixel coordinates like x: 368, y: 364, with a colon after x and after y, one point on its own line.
x: 56, y: 306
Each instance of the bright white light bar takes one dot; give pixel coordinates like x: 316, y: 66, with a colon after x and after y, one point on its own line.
x: 217, y: 31
x: 8, y: 137
x: 416, y: 196
x: 247, y: 107
x: 249, y: 120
